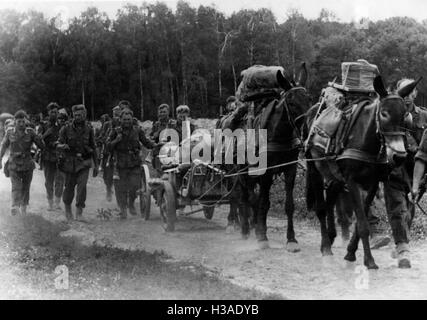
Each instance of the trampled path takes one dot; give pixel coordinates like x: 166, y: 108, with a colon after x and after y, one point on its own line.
x: 302, y: 275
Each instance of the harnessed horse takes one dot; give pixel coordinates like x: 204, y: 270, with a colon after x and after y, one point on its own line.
x: 282, y: 116
x: 375, y: 143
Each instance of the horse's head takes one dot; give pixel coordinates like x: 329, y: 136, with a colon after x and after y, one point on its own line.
x: 392, y: 118
x: 295, y: 94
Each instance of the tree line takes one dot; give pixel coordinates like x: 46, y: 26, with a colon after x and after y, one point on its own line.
x: 149, y: 55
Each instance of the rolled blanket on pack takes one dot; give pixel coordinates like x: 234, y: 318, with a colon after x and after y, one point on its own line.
x: 257, y: 80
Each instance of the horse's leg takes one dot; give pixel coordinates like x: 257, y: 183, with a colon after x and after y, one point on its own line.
x: 243, y: 212
x: 362, y: 224
x: 352, y: 246
x: 332, y: 194
x: 253, y: 202
x: 344, y: 211
x: 265, y: 182
x: 290, y: 175
x: 316, y: 200
x: 231, y: 218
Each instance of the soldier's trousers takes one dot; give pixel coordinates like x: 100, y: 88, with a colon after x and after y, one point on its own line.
x: 107, y: 175
x: 400, y: 210
x: 21, y: 182
x: 126, y: 187
x: 76, y: 180
x: 54, y: 180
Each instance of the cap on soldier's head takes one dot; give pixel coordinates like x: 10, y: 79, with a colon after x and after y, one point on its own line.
x: 164, y: 106
x: 78, y: 107
x: 21, y: 114
x: 403, y: 82
x: 63, y: 112
x: 117, y: 108
x: 125, y: 103
x: 52, y: 105
x: 182, y: 108
x: 8, y: 122
x: 231, y: 99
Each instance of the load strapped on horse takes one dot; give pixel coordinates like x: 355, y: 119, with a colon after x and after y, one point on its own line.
x: 340, y: 105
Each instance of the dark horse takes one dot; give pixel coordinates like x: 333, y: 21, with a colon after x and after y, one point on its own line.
x: 282, y: 116
x: 375, y: 143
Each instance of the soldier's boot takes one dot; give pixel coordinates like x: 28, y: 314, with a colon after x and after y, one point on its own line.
x: 14, y: 210
x: 109, y: 194
x: 58, y: 203
x: 79, y: 214
x: 132, y: 209
x: 50, y: 205
x: 123, y: 213
x: 403, y: 260
x: 68, y: 212
x: 23, y: 210
x: 378, y: 241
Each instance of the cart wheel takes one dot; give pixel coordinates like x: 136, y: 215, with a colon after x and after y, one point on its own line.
x: 168, y: 206
x: 145, y: 193
x: 208, y: 211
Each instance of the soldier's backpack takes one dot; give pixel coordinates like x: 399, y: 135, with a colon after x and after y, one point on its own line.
x: 6, y: 169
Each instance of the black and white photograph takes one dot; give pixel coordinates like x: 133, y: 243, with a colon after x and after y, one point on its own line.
x: 200, y: 152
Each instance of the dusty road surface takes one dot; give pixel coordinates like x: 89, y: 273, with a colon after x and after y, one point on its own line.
x: 199, y: 242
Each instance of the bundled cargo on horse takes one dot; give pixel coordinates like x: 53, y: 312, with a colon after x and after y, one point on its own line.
x: 259, y: 80
x: 340, y: 105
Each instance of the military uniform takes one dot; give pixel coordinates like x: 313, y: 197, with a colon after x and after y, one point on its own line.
x: 158, y: 127
x: 20, y: 163
x: 128, y: 163
x: 400, y: 210
x: 54, y: 178
x: 77, y: 160
x: 107, y: 163
x: 182, y: 132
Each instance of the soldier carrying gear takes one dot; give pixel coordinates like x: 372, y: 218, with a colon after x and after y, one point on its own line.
x: 20, y: 164
x: 54, y: 180
x: 163, y: 122
x: 397, y: 190
x: 107, y: 163
x: 77, y: 141
x: 126, y: 142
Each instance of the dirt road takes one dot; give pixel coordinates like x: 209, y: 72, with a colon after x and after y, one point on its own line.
x: 302, y: 275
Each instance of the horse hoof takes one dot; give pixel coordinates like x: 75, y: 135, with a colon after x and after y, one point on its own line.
x: 292, y: 247
x: 371, y: 265
x: 229, y: 229
x: 351, y: 257
x: 263, y: 244
x: 326, y: 251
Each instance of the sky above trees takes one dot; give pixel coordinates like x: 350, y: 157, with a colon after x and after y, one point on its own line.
x: 345, y: 10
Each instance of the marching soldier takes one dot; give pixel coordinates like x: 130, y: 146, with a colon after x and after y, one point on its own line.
x: 183, y: 122
x: 107, y: 163
x: 400, y: 208
x: 20, y: 164
x: 125, y: 142
x: 77, y: 142
x: 163, y: 122
x: 49, y: 132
